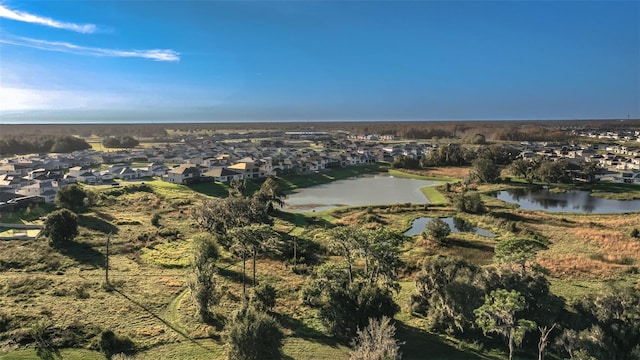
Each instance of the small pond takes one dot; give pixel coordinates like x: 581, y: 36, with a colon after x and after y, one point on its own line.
x: 577, y: 201
x: 456, y: 225
x: 378, y: 189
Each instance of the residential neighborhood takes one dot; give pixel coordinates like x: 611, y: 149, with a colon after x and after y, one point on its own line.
x: 201, y: 160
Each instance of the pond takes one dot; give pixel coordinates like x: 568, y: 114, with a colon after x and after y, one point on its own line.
x: 455, y: 224
x: 378, y: 189
x: 577, y: 201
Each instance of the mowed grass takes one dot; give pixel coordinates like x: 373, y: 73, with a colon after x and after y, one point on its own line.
x: 290, y: 183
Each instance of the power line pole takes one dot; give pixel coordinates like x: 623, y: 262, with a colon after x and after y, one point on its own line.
x: 106, y: 264
x: 295, y: 250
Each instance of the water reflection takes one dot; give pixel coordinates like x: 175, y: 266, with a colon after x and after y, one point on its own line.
x: 571, y: 201
x: 455, y: 223
x: 379, y: 189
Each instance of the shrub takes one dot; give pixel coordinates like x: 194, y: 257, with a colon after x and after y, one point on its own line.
x: 111, y: 344
x: 155, y: 220
x: 437, y: 229
x: 635, y: 233
x: 265, y: 297
x: 376, y: 341
x: 254, y: 335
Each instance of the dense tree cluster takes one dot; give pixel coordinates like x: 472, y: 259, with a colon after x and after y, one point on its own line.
x: 533, y: 133
x: 347, y: 297
x: 554, y: 171
x: 74, y: 198
x: 120, y: 142
x: 10, y: 145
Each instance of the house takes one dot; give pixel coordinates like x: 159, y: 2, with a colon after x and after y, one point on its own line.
x: 249, y: 170
x: 157, y: 169
x: 44, y: 189
x: 183, y: 174
x: 223, y: 175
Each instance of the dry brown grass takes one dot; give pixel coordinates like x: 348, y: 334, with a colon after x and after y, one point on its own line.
x: 571, y: 267
x: 442, y: 172
x: 613, y: 243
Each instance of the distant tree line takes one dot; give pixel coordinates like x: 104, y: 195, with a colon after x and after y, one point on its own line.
x: 533, y: 133
x: 120, y: 142
x: 10, y: 145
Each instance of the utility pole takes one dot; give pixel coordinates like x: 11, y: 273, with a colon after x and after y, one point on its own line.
x: 295, y: 250
x: 106, y: 264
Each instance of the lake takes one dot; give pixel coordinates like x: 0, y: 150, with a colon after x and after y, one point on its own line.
x: 378, y: 189
x: 577, y: 201
x: 455, y: 224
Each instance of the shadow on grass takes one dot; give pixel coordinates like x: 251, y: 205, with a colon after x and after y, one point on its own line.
x: 83, y: 253
x: 303, y: 331
x: 452, y: 242
x: 210, y: 189
x: 165, y: 322
x: 103, y: 215
x: 97, y: 224
x: 416, y: 342
x: 234, y: 275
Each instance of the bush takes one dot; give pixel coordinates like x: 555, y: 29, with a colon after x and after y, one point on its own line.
x: 635, y: 233
x: 265, y: 297
x: 61, y: 227
x: 155, y: 220
x: 254, y: 335
x: 437, y: 229
x: 376, y: 341
x: 111, y: 344
x: 469, y: 203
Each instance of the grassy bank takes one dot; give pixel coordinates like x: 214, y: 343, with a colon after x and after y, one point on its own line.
x: 604, y: 189
x: 291, y: 183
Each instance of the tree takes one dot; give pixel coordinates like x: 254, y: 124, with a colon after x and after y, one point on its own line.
x: 485, y: 171
x: 270, y: 193
x: 380, y: 248
x: 237, y: 188
x: 202, y: 282
x: 437, y: 229
x: 544, y: 339
x: 469, y: 202
x: 346, y: 307
x: 616, y: 312
x: 376, y: 342
x: 61, y: 226
x: 220, y: 216
x: 249, y: 241
x: 498, y: 315
x: 520, y: 167
x: 517, y: 252
x: 253, y: 335
x: 448, y: 289
x: 72, y: 197
x: 343, y: 242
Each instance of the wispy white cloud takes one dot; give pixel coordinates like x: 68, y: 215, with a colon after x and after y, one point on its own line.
x: 153, y: 54
x: 35, y: 19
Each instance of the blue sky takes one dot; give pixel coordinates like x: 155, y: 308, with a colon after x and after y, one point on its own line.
x: 319, y: 60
